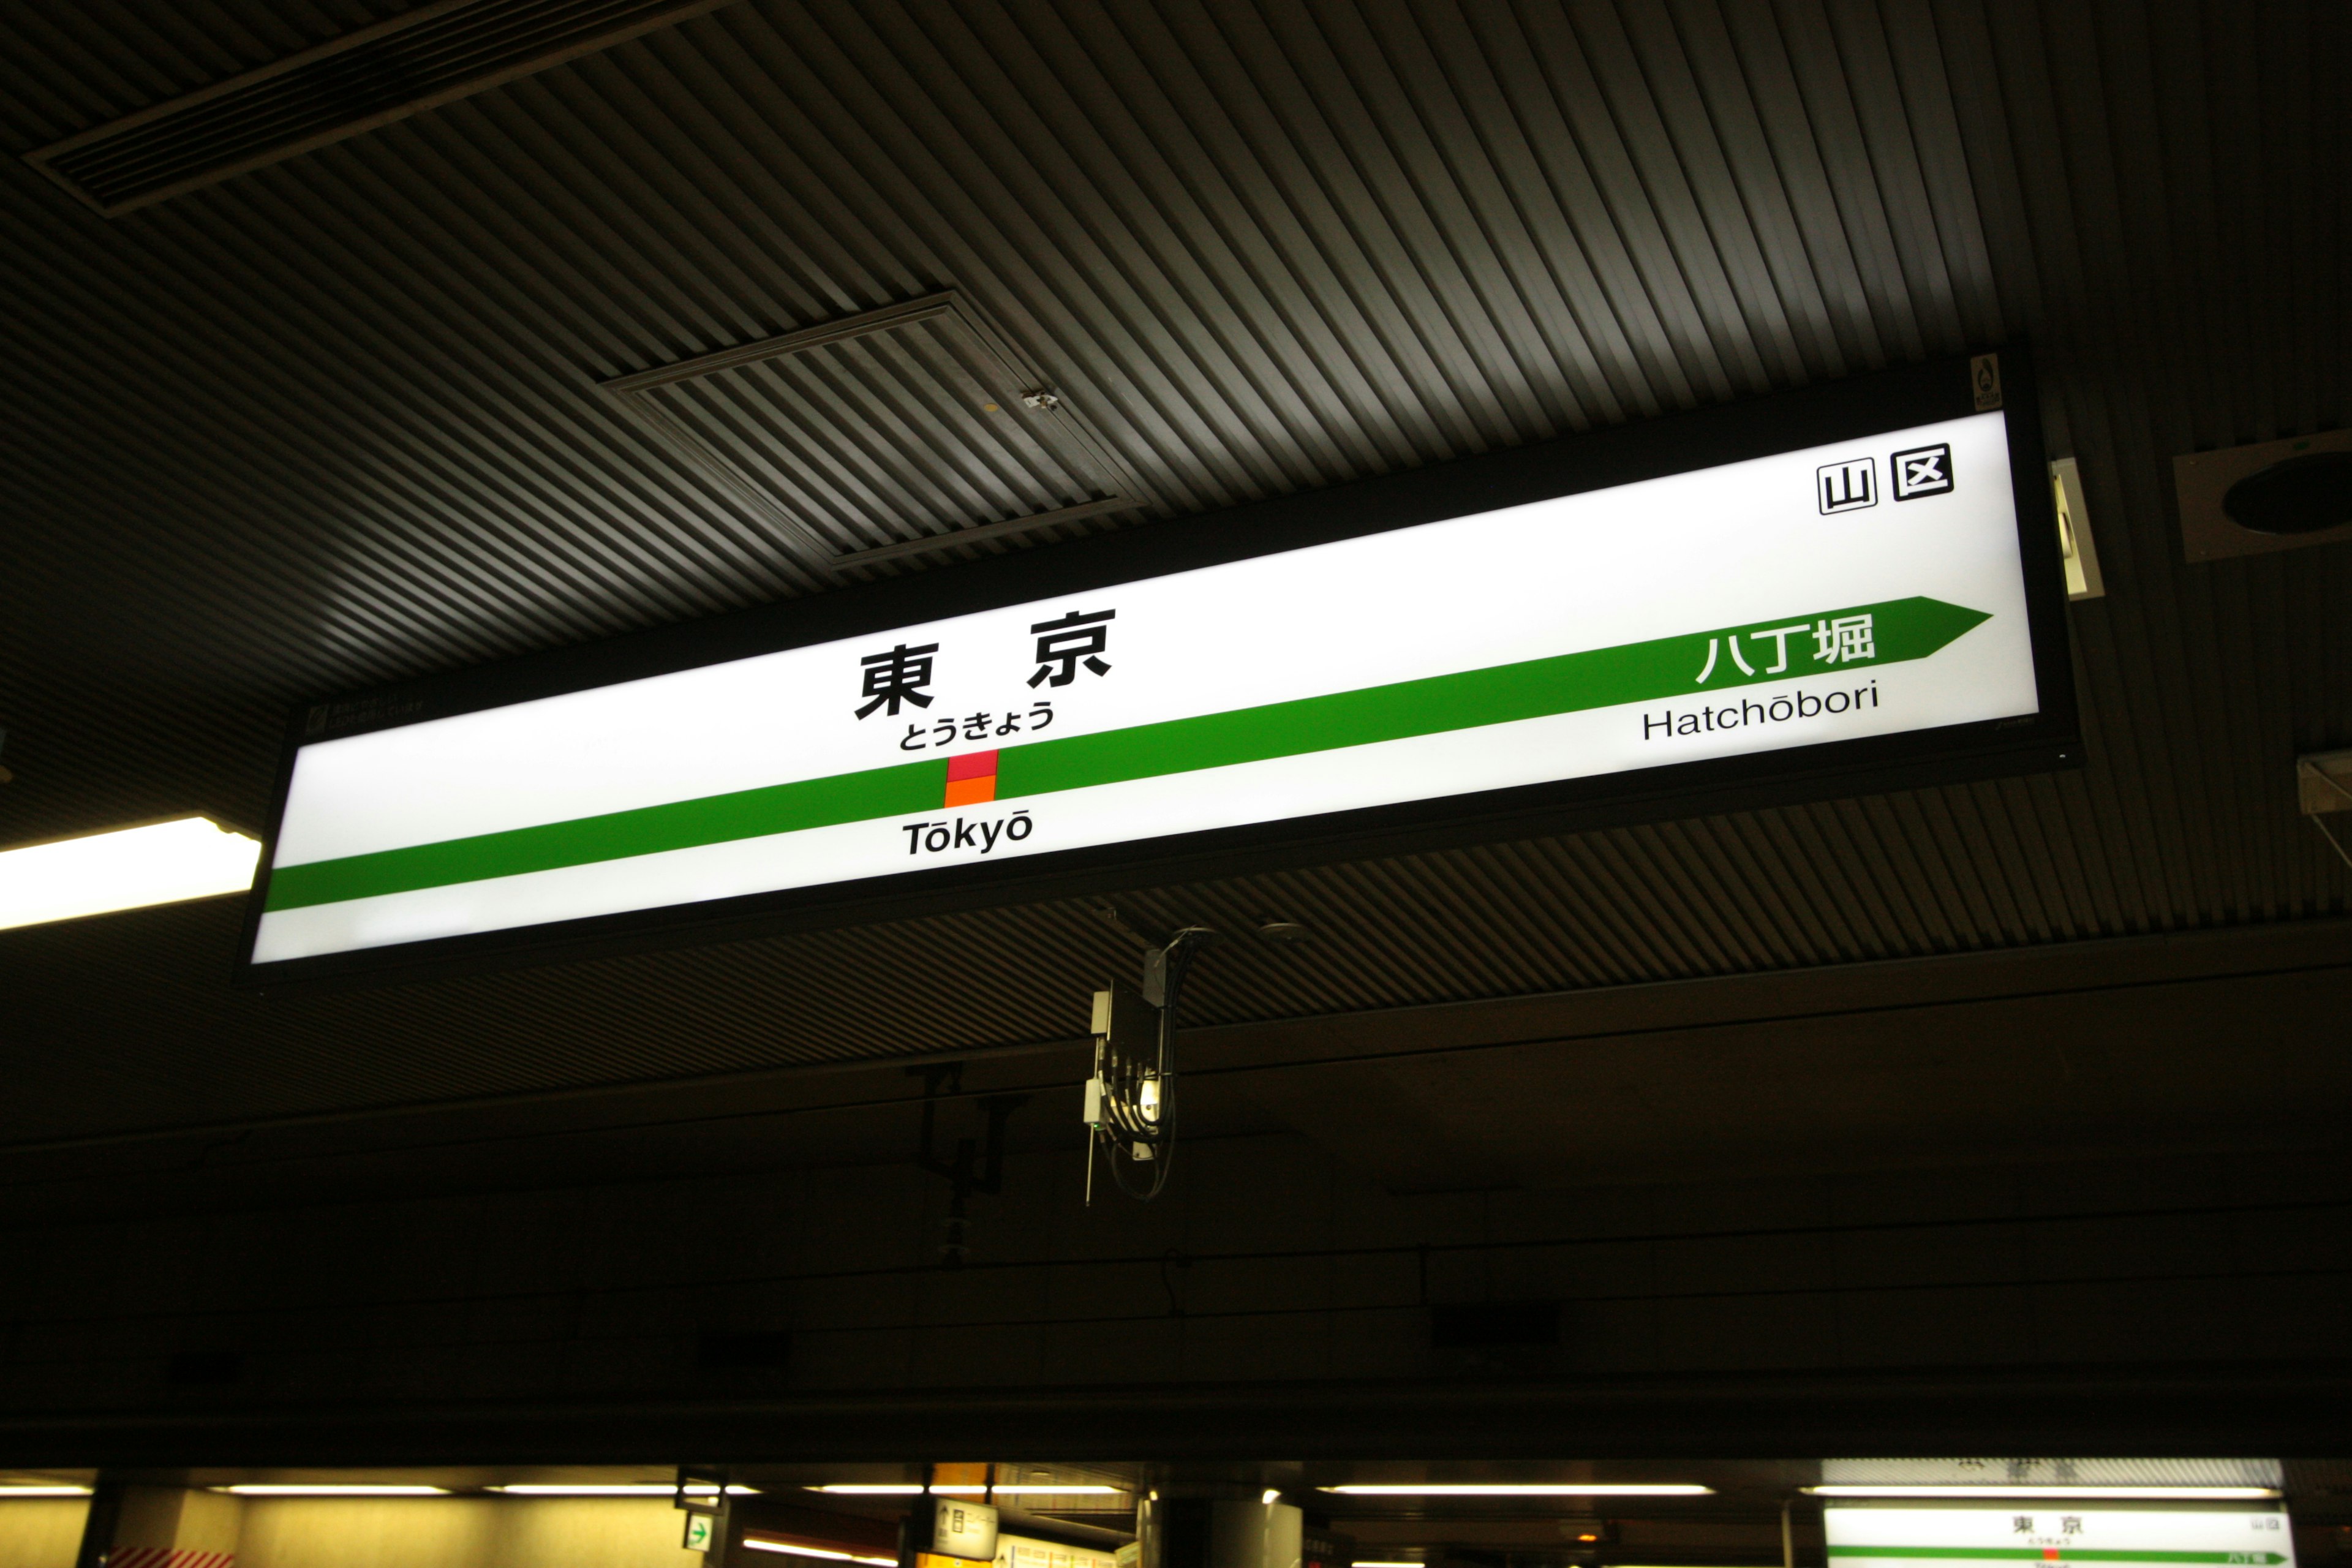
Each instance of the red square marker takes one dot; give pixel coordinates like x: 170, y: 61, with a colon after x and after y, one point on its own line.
x: 972, y: 765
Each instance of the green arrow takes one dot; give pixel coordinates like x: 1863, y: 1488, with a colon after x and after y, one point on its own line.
x: 1687, y: 667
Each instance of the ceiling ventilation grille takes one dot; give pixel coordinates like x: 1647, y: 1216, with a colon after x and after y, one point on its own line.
x: 911, y: 430
x: 354, y: 83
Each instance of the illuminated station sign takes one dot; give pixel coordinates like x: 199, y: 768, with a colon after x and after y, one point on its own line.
x: 2109, y: 1535
x: 1796, y: 593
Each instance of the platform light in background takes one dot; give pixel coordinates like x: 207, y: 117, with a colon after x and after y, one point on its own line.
x: 123, y: 868
x: 2058, y: 1493
x: 327, y: 1488
x: 1533, y: 1489
x: 9, y: 1492
x: 1046, y: 1489
x: 789, y: 1550
x: 883, y: 1488
x: 613, y: 1488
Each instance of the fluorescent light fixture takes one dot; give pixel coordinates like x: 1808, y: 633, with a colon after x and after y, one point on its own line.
x: 2145, y: 1494
x: 1536, y: 1488
x: 329, y: 1489
x: 1270, y: 1496
x: 126, y: 869
x: 613, y: 1488
x: 912, y: 1488
x: 44, y: 1491
x: 1399, y: 1563
x: 792, y: 1551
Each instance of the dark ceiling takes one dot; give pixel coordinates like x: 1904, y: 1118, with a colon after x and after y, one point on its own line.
x: 335, y: 422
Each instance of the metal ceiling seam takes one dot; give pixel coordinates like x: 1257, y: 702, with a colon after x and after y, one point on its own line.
x: 1275, y: 247
x: 1698, y: 328
x: 1032, y: 307
x: 1735, y: 220
x: 2157, y: 725
x: 1806, y: 860
x: 715, y: 126
x: 200, y: 459
x: 1835, y: 129
x: 1605, y: 861
x: 1994, y: 874
x: 1926, y: 101
x: 1557, y: 278
x: 1466, y: 216
x: 1891, y: 146
x: 1619, y: 952
x: 1710, y: 239
x: 2029, y: 88
x: 549, y: 273
x: 1289, y: 135
x: 1697, y: 901
x: 1551, y: 929
x: 1714, y: 858
x: 654, y: 145
x: 1358, y: 155
x: 1722, y: 94
x: 1480, y: 964
x: 2121, y: 140
x: 1169, y: 269
x: 1758, y: 62
x: 1548, y: 177
x: 1681, y: 912
x: 1479, y: 154
x: 878, y: 250
x: 217, y: 302
x: 121, y: 25
x: 37, y: 107
x: 522, y: 446
x: 544, y: 147
x: 1572, y: 154
x: 1924, y: 874
x: 1372, y: 934
x: 160, y: 579
x: 953, y: 137
x: 1897, y: 923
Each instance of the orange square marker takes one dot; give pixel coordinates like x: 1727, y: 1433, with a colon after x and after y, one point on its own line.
x: 972, y: 779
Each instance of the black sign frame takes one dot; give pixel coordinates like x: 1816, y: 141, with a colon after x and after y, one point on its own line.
x: 1856, y: 408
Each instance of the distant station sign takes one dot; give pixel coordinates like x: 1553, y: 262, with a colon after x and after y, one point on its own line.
x: 1848, y: 580
x: 1985, y: 1534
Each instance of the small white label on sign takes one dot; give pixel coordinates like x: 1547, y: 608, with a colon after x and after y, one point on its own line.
x: 1984, y: 377
x: 964, y: 1530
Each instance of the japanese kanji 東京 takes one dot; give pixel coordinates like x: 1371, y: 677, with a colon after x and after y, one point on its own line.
x: 896, y: 677
x: 1844, y: 640
x: 1064, y: 645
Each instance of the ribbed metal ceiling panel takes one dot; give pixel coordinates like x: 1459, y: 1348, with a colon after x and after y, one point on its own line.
x: 334, y: 422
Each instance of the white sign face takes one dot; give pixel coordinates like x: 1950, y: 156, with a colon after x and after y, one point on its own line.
x: 1868, y: 588
x: 2037, y: 1531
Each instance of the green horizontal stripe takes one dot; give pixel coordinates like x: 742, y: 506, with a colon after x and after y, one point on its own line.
x: 2065, y: 1554
x: 647, y: 830
x: 1664, y: 667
